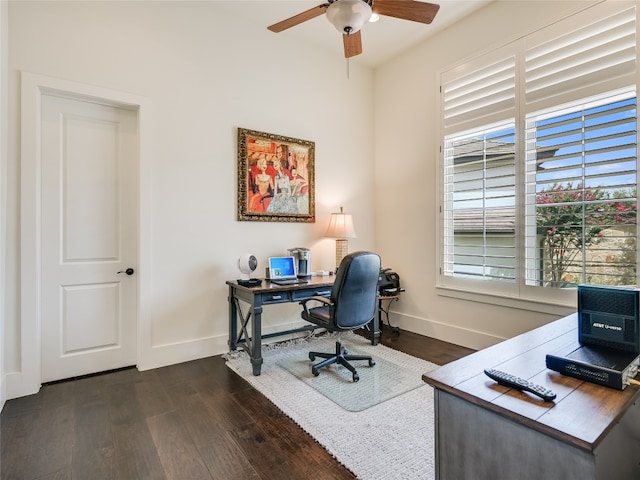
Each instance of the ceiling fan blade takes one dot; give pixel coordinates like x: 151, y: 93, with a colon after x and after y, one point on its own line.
x: 407, y: 10
x: 352, y: 44
x: 299, y: 18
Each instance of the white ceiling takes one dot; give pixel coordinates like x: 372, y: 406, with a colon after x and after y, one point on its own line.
x: 381, y: 41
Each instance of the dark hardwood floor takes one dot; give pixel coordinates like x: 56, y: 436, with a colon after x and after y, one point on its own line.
x: 195, y: 420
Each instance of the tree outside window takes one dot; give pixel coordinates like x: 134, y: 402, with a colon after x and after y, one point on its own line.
x: 587, y: 235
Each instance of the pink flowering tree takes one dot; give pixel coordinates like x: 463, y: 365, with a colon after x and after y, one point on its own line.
x: 570, y: 219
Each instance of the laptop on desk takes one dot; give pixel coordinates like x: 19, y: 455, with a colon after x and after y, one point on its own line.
x: 282, y: 271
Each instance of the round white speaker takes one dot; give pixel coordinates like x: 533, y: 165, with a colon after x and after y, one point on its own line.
x: 247, y: 263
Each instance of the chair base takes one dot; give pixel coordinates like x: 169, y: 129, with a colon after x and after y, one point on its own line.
x: 342, y: 357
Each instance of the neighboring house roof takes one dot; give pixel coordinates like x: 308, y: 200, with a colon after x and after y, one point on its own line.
x: 477, y: 150
x: 492, y: 220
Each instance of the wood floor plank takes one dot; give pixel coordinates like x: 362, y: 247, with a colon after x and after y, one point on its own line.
x: 206, y: 420
x: 179, y: 456
x: 264, y: 453
x: 225, y: 459
x: 93, y: 454
x: 299, y: 449
x: 196, y: 418
x: 136, y: 454
x: 152, y: 396
x: 50, y: 441
x: 16, y: 436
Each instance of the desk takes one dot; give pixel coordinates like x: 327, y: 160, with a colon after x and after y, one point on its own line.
x: 245, y: 330
x: 487, y: 431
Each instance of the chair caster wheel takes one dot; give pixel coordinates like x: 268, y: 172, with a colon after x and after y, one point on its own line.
x: 371, y: 363
x: 355, y: 377
x: 315, y: 372
x: 312, y: 357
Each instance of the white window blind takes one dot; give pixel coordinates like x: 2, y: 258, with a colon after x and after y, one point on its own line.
x: 479, y: 93
x: 581, y: 207
x: 479, y: 227
x: 565, y: 143
x: 592, y: 52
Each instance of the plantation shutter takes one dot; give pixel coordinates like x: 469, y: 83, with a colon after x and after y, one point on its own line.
x: 592, y: 52
x: 480, y: 92
x: 479, y: 177
x: 581, y: 150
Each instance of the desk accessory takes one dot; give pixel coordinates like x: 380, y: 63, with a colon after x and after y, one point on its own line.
x: 282, y: 268
x: 609, y: 317
x: 247, y: 263
x: 601, y: 365
x: 341, y: 228
x: 302, y: 257
x: 511, y: 381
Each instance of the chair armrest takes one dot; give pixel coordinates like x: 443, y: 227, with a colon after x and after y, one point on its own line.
x: 323, y: 300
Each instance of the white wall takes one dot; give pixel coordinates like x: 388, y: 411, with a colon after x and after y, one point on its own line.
x: 406, y: 113
x: 204, y: 73
x: 4, y: 22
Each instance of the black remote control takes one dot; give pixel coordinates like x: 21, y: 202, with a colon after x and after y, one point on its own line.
x: 512, y: 381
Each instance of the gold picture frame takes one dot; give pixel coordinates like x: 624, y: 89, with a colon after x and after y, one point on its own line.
x: 275, y: 178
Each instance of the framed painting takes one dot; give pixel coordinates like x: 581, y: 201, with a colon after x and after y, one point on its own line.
x: 275, y: 178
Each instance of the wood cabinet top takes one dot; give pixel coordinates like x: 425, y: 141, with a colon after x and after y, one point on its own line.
x: 582, y: 412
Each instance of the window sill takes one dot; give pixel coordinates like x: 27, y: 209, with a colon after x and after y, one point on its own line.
x: 504, y: 300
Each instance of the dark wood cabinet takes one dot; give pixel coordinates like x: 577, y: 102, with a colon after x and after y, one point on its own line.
x: 487, y: 431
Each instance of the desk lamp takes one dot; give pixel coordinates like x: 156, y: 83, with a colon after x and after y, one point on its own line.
x: 341, y: 228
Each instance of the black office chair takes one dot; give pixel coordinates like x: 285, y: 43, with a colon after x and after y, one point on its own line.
x: 353, y: 303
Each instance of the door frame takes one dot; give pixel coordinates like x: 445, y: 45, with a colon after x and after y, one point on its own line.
x: 29, y: 378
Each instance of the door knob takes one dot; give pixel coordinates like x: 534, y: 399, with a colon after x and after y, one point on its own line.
x: 128, y: 271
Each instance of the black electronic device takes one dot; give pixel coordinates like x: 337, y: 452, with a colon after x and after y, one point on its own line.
x: 512, y: 381
x: 251, y: 282
x: 609, y: 317
x: 601, y: 365
x: 389, y: 282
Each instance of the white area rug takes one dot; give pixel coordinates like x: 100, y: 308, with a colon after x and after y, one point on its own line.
x: 390, y: 440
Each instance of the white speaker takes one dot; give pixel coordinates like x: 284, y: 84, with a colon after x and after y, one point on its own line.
x: 247, y: 263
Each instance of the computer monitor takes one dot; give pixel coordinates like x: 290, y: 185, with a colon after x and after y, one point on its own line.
x: 282, y: 268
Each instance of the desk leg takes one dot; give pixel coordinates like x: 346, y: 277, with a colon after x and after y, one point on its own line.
x: 233, y: 317
x: 375, y: 328
x: 256, y: 339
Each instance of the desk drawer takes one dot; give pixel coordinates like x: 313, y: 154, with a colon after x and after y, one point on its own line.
x: 276, y: 297
x: 298, y: 295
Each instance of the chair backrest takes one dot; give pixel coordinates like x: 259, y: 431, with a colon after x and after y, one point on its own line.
x: 355, y: 291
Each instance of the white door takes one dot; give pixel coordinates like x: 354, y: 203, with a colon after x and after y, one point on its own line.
x: 89, y: 208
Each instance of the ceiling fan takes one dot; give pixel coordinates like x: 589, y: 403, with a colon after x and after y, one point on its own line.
x: 348, y: 16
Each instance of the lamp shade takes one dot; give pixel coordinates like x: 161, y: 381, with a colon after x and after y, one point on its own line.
x: 341, y: 226
x: 348, y: 16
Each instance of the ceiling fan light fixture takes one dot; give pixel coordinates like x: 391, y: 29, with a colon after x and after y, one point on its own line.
x: 348, y: 16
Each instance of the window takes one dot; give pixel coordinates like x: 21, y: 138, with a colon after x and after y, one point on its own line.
x: 540, y: 160
x: 480, y: 200
x: 581, y: 214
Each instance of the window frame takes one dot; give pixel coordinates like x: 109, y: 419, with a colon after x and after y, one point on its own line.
x: 517, y: 294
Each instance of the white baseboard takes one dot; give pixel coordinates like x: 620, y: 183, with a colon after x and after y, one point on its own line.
x: 169, y: 354
x: 17, y: 385
x: 447, y: 333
